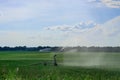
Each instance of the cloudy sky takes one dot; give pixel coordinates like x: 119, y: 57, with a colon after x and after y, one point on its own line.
x: 60, y: 22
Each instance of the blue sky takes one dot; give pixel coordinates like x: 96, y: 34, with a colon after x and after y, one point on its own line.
x: 60, y: 22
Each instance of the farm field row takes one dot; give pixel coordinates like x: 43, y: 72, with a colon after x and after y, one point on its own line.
x: 20, y: 65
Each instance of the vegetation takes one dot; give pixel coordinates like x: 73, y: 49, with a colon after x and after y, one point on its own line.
x: 59, y: 49
x: 25, y: 65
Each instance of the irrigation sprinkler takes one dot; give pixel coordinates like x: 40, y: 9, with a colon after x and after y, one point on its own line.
x: 45, y: 64
x: 55, y: 61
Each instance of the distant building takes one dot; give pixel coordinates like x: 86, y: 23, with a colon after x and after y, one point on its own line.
x: 45, y: 50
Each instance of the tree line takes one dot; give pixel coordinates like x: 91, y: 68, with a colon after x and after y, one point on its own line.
x: 61, y: 49
x: 25, y: 48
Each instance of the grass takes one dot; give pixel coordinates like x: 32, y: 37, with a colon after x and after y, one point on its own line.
x: 20, y: 65
x: 24, y: 55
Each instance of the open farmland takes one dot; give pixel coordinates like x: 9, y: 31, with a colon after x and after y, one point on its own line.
x: 26, y: 65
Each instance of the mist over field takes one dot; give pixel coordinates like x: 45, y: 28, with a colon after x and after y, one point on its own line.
x: 92, y: 59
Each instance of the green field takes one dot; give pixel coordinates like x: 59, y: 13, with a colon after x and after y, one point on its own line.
x: 26, y: 65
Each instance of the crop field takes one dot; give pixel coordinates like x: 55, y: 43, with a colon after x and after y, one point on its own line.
x: 26, y: 65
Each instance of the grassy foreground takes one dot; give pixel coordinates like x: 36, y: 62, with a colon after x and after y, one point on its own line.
x: 30, y: 66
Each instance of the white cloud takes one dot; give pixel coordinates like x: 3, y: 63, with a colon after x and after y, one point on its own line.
x: 107, y: 34
x: 112, y: 27
x: 59, y: 27
x: 80, y: 27
x: 108, y: 3
x: 111, y: 3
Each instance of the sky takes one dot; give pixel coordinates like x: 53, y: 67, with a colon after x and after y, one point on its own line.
x: 59, y: 22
